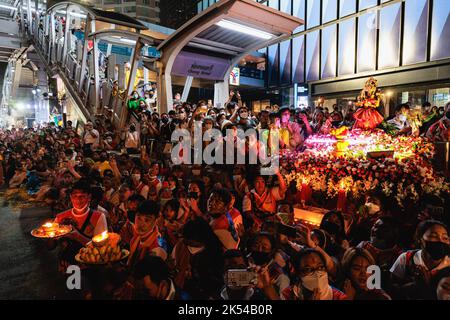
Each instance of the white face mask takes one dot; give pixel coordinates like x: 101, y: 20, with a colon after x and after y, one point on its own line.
x: 402, y: 118
x: 136, y: 177
x: 195, y: 250
x: 316, y: 280
x: 373, y: 208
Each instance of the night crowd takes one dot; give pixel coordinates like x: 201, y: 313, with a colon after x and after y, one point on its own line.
x: 192, y: 230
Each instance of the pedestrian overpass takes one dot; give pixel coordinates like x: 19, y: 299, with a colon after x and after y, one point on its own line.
x: 99, y: 57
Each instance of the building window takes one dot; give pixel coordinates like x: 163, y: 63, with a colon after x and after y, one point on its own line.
x: 367, y: 37
x: 313, y: 14
x: 329, y: 38
x: 389, y: 52
x: 440, y: 30
x: 347, y: 49
x: 329, y: 10
x: 285, y: 62
x: 415, y: 31
x: 285, y: 6
x: 298, y: 10
x: 312, y: 55
x: 273, y: 59
x: 365, y: 4
x: 347, y: 7
x: 298, y: 59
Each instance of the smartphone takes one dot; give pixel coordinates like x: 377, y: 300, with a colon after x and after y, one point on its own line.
x: 286, y: 230
x: 241, y: 278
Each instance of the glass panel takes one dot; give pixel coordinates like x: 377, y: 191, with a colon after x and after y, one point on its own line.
x: 364, y: 4
x: 298, y: 59
x: 347, y: 43
x: 440, y: 35
x: 274, y: 4
x: 312, y: 55
x: 367, y: 37
x: 285, y: 62
x: 313, y: 14
x: 299, y: 12
x: 205, y: 4
x: 329, y: 36
x: 347, y: 7
x: 329, y: 10
x: 285, y: 6
x: 389, y: 51
x: 439, y: 97
x: 273, y: 65
x: 415, y: 33
x: 199, y: 7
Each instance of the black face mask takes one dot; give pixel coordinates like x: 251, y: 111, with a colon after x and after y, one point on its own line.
x: 437, y: 250
x: 260, y: 258
x: 165, y: 120
x: 131, y: 214
x: 447, y: 114
x: 331, y: 228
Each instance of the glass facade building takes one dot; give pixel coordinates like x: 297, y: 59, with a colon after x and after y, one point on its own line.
x: 400, y: 42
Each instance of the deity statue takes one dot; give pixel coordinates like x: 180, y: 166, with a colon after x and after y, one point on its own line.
x: 367, y: 117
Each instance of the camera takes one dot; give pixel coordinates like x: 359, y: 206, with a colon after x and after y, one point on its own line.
x: 239, y: 278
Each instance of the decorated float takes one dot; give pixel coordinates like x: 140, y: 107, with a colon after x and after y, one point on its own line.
x: 353, y: 163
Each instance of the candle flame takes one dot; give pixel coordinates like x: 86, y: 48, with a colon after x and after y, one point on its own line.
x: 48, y: 225
x: 101, y: 237
x: 342, y: 185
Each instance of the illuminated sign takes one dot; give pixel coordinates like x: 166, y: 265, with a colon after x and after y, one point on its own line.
x: 235, y: 76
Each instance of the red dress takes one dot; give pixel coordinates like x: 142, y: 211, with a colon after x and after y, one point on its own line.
x: 367, y: 118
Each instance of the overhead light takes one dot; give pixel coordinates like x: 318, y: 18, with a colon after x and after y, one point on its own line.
x: 244, y: 29
x: 129, y: 41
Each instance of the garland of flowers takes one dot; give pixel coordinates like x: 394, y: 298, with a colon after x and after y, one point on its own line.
x: 409, y: 176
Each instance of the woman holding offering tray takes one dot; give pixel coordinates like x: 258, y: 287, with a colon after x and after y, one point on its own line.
x: 86, y: 224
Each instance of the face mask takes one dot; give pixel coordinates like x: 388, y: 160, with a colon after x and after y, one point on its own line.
x: 373, y: 208
x: 195, y: 250
x: 165, y: 120
x: 316, y: 280
x: 402, y: 118
x: 136, y: 96
x: 136, y: 177
x: 447, y: 115
x: 437, y: 250
x: 260, y: 258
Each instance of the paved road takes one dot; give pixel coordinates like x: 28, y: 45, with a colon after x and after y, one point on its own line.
x: 27, y: 268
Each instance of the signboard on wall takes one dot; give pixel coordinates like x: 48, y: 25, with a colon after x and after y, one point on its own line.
x: 235, y: 76
x: 200, y: 66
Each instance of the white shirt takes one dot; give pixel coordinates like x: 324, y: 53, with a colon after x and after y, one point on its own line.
x: 399, y: 267
x: 270, y: 200
x: 90, y: 139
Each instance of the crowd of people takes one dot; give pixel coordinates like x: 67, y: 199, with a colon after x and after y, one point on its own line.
x: 221, y: 231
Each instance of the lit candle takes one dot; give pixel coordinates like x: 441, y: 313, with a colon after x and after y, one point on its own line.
x: 342, y: 197
x: 100, y: 239
x: 50, y: 226
x: 304, y: 197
